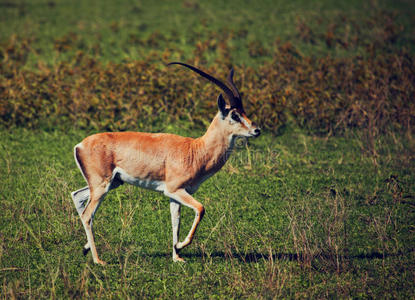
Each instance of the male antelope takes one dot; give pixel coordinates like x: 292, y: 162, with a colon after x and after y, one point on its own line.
x: 167, y: 163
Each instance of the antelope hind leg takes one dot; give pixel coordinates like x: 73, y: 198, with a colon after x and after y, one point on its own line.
x: 81, y: 199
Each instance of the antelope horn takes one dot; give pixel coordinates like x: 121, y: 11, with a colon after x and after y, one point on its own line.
x: 234, y: 99
x: 234, y: 88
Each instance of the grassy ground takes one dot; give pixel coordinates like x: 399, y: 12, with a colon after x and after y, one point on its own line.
x: 295, y: 215
x: 126, y: 30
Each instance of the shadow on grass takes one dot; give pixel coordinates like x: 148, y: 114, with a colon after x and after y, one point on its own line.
x: 256, y: 256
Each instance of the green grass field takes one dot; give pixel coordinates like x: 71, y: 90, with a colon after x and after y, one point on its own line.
x: 292, y: 216
x: 300, y: 212
x: 116, y: 31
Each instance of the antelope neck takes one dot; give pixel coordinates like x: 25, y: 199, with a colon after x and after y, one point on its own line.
x: 216, y: 143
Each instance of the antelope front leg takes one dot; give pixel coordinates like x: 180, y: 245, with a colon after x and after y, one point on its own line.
x: 175, y: 223
x: 182, y: 197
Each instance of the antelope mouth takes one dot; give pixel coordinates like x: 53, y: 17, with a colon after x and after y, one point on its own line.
x: 256, y: 133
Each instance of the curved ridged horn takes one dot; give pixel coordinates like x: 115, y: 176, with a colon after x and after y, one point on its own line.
x: 234, y: 88
x: 234, y: 99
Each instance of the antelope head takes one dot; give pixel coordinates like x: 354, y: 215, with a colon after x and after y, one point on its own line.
x: 232, y: 116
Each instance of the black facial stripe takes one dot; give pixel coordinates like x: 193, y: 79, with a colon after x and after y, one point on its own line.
x: 235, y: 117
x: 225, y: 112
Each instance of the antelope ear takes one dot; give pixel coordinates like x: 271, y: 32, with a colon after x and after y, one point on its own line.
x: 222, y: 106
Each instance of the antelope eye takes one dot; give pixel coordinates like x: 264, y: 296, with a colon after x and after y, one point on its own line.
x: 235, y: 117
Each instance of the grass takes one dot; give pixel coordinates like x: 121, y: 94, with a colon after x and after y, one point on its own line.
x: 117, y: 31
x: 289, y: 216
x: 297, y: 214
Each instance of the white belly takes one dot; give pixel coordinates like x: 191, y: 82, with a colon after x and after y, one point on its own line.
x: 154, y: 185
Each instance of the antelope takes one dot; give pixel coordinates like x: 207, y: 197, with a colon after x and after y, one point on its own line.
x: 167, y: 163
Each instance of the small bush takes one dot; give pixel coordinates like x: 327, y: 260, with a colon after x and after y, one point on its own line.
x: 326, y: 94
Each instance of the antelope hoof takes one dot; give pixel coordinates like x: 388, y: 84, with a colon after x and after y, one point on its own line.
x: 181, y: 245
x: 178, y: 259
x: 101, y: 262
x: 85, y: 251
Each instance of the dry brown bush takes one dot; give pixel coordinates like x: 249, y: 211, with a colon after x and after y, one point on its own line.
x: 326, y: 94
